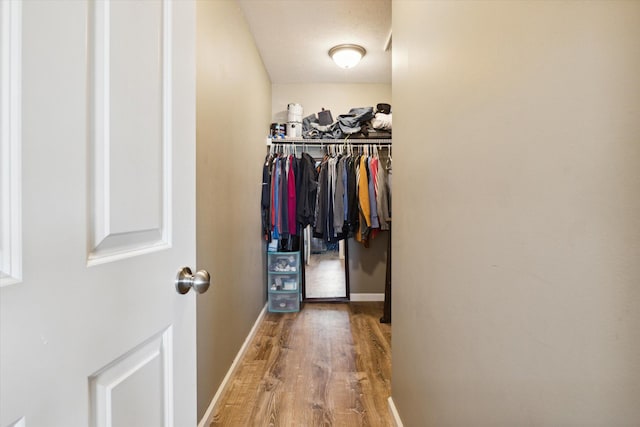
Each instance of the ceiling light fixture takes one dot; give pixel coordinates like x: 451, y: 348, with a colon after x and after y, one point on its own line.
x: 347, y: 55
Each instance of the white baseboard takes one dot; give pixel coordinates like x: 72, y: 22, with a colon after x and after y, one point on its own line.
x: 394, y: 413
x: 366, y: 297
x: 207, y: 418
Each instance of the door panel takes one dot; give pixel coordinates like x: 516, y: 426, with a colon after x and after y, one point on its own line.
x: 144, y: 375
x: 130, y: 54
x: 95, y: 333
x: 10, y: 149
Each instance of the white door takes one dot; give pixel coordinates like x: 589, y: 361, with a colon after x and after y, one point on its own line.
x: 98, y: 102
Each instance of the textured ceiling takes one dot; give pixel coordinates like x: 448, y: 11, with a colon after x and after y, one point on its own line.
x: 294, y: 37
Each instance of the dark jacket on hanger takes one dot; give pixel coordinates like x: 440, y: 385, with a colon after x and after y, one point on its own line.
x: 265, y: 203
x: 284, y: 198
x: 306, y: 190
x: 352, y: 195
x: 322, y: 207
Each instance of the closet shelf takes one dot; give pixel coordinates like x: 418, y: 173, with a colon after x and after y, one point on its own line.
x: 320, y: 142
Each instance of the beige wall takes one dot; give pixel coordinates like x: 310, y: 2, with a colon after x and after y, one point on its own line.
x: 516, y: 213
x: 366, y: 265
x: 233, y: 112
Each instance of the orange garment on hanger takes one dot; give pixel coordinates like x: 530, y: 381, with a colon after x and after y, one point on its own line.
x: 362, y: 235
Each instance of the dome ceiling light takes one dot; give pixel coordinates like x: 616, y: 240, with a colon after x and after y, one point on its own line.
x: 347, y: 55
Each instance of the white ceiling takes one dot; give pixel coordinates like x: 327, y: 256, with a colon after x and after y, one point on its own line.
x: 294, y: 37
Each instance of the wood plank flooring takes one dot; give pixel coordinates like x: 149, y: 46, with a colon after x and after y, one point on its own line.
x: 328, y: 365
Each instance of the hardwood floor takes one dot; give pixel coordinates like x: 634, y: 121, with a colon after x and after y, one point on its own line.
x: 328, y: 365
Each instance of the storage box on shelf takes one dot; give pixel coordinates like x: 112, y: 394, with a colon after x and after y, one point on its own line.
x: 283, y: 281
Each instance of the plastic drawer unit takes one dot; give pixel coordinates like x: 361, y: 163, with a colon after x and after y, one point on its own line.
x: 283, y: 281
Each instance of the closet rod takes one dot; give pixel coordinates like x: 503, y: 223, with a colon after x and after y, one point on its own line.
x: 321, y: 142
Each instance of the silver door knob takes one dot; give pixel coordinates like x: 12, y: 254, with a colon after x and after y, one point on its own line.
x: 186, y: 280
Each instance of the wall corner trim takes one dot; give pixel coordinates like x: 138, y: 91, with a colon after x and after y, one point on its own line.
x: 394, y: 413
x: 366, y: 297
x: 207, y: 418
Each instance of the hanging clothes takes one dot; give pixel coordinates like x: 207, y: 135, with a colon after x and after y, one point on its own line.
x: 382, y: 197
x: 284, y: 198
x: 275, y: 199
x: 265, y: 201
x: 372, y: 164
x: 291, y: 199
x: 353, y: 215
x: 306, y: 190
x: 345, y: 195
x: 364, y: 206
x: 338, y: 211
x: 322, y: 205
